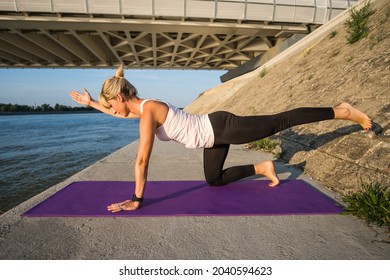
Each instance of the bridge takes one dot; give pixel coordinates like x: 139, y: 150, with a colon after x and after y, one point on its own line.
x: 174, y: 34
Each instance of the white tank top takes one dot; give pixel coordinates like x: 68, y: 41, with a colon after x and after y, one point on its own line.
x: 194, y: 131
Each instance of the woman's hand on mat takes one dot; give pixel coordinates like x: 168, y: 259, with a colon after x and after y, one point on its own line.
x: 83, y: 99
x: 126, y: 205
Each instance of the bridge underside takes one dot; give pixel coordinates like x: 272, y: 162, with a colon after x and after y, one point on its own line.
x: 185, y: 34
x: 52, y: 40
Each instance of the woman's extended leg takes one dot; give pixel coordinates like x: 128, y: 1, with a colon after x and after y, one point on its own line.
x: 231, y: 129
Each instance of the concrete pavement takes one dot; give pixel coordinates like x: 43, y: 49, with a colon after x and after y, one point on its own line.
x: 258, y: 237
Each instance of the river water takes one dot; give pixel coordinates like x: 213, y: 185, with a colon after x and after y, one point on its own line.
x: 39, y: 151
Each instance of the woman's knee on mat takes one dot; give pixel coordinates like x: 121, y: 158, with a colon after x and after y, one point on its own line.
x: 214, y: 181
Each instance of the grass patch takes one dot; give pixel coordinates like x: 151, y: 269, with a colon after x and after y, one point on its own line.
x: 375, y: 39
x: 332, y: 34
x: 357, y: 24
x: 267, y: 145
x: 306, y: 52
x: 349, y: 58
x: 335, y: 53
x: 264, y: 144
x: 262, y: 73
x: 311, y: 76
x: 372, y: 204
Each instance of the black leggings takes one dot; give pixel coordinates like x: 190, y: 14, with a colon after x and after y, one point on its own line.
x: 231, y: 129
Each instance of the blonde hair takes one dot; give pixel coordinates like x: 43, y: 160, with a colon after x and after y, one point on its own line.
x: 116, y: 85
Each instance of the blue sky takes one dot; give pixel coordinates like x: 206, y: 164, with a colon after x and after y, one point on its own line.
x: 51, y: 86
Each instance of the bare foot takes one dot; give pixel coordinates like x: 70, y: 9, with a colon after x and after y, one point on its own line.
x: 347, y: 112
x: 267, y: 169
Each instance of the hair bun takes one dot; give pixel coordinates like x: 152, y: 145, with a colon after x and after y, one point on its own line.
x: 119, y: 73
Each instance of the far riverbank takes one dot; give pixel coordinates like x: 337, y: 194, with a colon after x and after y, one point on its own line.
x: 49, y: 113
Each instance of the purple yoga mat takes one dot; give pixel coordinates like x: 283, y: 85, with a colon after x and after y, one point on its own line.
x: 187, y: 198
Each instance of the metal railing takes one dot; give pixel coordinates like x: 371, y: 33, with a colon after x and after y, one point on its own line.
x: 293, y: 11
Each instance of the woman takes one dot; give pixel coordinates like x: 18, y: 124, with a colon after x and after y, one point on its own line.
x: 213, y: 132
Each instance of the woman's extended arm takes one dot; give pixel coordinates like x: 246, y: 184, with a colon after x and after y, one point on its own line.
x: 147, y: 133
x: 87, y: 100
